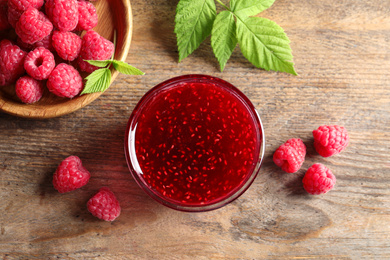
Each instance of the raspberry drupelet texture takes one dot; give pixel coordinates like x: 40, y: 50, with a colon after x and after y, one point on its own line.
x: 70, y: 175
x: 17, y: 7
x: 39, y: 63
x: 330, y: 139
x: 66, y: 44
x: 33, y: 26
x: 290, y: 155
x: 88, y: 18
x: 94, y: 47
x: 28, y: 89
x: 318, y: 179
x: 11, y: 62
x: 64, y: 14
x: 65, y: 81
x: 45, y: 43
x: 104, y: 205
x: 13, y: 15
x: 24, y: 46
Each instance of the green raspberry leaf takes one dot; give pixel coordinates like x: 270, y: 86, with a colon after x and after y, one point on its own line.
x: 265, y: 44
x: 193, y: 23
x: 97, y: 81
x: 245, y: 8
x: 223, y: 37
x: 125, y: 68
x: 99, y: 63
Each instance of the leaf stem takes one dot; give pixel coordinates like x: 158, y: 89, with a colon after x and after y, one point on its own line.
x: 227, y: 8
x: 112, y: 57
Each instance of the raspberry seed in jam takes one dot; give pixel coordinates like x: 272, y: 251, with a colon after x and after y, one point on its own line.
x: 194, y: 143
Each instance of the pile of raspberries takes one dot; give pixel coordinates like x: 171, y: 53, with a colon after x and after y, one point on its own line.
x: 48, y: 48
x: 328, y: 140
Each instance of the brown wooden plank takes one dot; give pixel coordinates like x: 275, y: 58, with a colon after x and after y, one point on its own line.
x: 342, y: 56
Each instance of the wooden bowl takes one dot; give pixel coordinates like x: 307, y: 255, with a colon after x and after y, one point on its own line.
x: 113, y: 15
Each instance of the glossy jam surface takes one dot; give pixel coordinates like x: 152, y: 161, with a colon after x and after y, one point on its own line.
x: 195, y: 143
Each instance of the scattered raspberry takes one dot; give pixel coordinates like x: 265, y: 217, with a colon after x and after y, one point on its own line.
x: 290, y: 155
x: 39, y: 63
x: 65, y: 81
x: 104, y: 205
x: 330, y: 139
x: 64, y: 14
x: 4, y: 24
x: 87, y: 16
x: 33, y: 26
x: 318, y: 179
x: 11, y: 62
x: 94, y: 47
x: 66, y: 44
x: 28, y: 89
x: 70, y: 175
x: 17, y: 7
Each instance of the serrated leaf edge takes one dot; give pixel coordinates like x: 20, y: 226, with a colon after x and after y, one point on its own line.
x: 287, y: 63
x: 91, y: 81
x: 117, y: 64
x: 181, y: 55
x: 221, y: 62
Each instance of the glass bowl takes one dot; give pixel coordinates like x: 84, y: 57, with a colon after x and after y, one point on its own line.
x: 194, y: 143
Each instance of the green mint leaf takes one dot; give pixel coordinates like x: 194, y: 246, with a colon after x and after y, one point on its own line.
x: 265, y: 44
x: 99, y: 63
x: 245, y: 8
x: 97, y: 81
x: 193, y: 23
x: 125, y: 68
x: 223, y: 37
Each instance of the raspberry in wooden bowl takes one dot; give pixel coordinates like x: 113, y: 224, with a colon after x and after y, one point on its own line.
x: 194, y: 143
x: 114, y: 18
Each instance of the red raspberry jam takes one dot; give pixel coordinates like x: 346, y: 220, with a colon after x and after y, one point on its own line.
x: 194, y: 143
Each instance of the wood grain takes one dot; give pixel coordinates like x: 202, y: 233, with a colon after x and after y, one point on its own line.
x: 113, y: 16
x: 342, y: 56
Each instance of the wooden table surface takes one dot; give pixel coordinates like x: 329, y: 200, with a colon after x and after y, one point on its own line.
x: 342, y: 54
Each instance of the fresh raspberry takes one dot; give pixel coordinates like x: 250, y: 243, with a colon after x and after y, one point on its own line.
x: 23, y: 5
x: 66, y: 44
x: 87, y: 16
x: 318, y: 179
x: 330, y: 139
x: 70, y: 175
x: 65, y: 81
x: 290, y: 155
x: 39, y: 63
x: 11, y: 62
x: 4, y: 24
x: 45, y: 43
x: 13, y: 16
x: 24, y: 46
x: 33, y: 26
x: 94, y: 47
x: 104, y: 205
x: 28, y: 89
x: 17, y: 7
x: 64, y: 14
